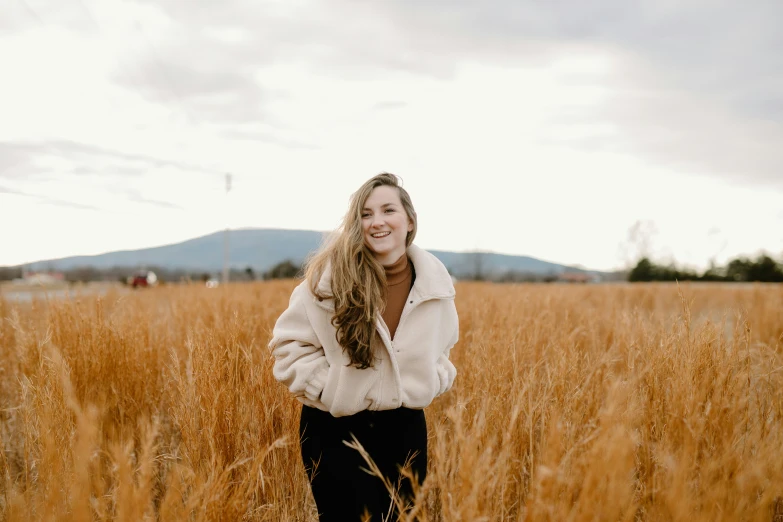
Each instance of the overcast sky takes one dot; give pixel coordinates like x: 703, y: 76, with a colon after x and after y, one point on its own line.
x: 539, y: 128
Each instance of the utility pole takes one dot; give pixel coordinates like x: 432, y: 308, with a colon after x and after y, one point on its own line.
x: 225, y: 234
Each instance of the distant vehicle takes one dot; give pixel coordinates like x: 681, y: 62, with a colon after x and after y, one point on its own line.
x: 143, y: 279
x: 212, y: 283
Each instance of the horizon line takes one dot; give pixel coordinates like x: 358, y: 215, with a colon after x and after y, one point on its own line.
x: 323, y: 232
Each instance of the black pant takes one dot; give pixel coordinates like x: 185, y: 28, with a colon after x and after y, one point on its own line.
x: 341, y: 488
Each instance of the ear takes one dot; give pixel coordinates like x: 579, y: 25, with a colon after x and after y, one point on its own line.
x: 410, y: 226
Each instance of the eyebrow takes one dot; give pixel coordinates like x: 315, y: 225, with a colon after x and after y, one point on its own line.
x: 382, y: 206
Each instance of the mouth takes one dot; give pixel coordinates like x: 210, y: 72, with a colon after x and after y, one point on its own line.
x: 380, y: 235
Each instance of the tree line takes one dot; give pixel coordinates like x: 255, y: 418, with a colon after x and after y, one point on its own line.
x: 762, y: 269
x: 84, y: 274
x: 742, y: 269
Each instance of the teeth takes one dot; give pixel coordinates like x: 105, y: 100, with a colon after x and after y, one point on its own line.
x: 381, y: 234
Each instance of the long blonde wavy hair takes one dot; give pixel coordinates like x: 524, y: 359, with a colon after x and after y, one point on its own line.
x: 358, y: 280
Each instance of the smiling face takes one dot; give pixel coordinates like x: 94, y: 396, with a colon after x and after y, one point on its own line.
x: 385, y: 224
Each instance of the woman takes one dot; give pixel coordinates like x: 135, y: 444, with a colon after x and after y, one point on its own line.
x: 364, y: 345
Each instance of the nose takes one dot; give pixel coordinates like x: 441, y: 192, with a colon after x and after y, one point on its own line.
x: 377, y: 221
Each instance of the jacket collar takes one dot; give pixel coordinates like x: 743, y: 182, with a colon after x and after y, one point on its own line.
x: 433, y: 281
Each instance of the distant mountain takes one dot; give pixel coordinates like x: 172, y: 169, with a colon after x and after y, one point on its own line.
x: 261, y: 249
x: 258, y: 248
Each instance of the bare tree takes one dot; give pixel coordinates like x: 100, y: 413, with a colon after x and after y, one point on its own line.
x: 638, y: 243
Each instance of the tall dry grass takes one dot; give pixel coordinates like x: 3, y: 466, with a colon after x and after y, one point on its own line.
x: 617, y: 402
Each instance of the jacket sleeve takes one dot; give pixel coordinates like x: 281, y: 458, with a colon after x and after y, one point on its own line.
x: 300, y: 363
x: 447, y: 372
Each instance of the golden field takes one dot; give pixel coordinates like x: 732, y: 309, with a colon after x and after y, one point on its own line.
x: 572, y: 403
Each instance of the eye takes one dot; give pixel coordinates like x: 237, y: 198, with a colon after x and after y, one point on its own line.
x: 389, y: 210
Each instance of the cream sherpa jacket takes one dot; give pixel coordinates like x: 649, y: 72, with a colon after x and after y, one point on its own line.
x: 409, y: 371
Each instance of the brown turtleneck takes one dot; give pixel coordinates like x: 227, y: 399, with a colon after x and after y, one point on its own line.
x: 399, y: 280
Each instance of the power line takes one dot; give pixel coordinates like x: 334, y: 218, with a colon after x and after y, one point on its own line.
x: 139, y: 79
x: 134, y: 77
x: 31, y: 12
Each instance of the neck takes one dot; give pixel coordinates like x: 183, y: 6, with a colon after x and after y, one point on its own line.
x: 398, y: 272
x: 390, y: 258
